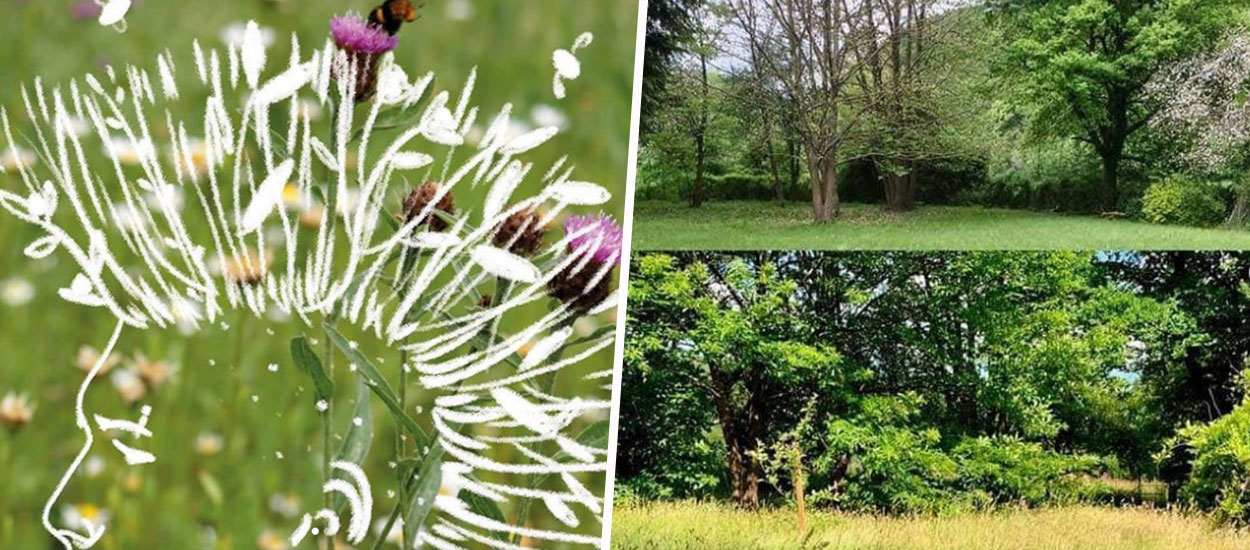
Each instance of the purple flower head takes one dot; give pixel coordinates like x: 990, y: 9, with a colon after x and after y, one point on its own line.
x: 599, y: 231
x: 84, y: 9
x: 351, y: 32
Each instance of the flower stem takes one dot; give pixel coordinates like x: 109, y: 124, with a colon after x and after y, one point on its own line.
x: 328, y: 418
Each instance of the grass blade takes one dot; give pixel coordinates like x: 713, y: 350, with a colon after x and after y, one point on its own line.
x: 308, y: 363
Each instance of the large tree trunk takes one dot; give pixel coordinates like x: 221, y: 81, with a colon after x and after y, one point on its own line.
x: 825, y: 203
x: 900, y: 190
x: 744, y: 477
x: 1110, y: 182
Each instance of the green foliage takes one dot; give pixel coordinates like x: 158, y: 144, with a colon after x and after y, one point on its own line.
x: 917, y: 383
x: 1182, y: 200
x: 1220, y: 479
x: 895, y: 466
x: 1009, y: 470
x: 1057, y: 175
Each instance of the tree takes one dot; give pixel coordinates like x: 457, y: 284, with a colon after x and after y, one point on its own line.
x: 725, y: 326
x: 807, y: 46
x: 1086, y: 65
x: 670, y: 24
x: 1206, y: 105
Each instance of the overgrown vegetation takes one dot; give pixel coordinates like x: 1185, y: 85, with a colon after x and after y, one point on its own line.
x: 938, y: 383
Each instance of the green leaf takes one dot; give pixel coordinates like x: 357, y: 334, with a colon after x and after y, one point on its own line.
x: 429, y: 481
x: 378, y: 384
x: 308, y: 363
x: 359, y: 438
x: 487, y: 508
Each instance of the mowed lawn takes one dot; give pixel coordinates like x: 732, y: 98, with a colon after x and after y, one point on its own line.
x: 705, y: 526
x: 763, y: 226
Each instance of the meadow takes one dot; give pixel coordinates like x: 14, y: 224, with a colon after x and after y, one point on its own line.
x: 237, y: 436
x: 709, y: 526
x: 746, y: 225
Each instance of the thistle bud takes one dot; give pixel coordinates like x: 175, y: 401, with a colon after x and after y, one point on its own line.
x: 421, y: 197
x: 522, y: 233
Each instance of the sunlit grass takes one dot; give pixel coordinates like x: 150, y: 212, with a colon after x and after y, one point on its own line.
x: 762, y: 226
x: 706, y: 526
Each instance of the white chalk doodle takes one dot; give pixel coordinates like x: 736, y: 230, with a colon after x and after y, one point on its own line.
x: 390, y: 274
x: 568, y: 67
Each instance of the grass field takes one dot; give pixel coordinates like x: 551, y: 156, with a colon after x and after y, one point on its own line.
x: 762, y: 226
x: 703, y: 526
x: 238, y: 444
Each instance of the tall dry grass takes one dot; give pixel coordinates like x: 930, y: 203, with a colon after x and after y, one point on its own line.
x: 707, y: 526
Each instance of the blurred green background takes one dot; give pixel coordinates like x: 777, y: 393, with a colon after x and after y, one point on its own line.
x: 238, y: 446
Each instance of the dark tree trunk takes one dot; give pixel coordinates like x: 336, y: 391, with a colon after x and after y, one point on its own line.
x: 744, y: 477
x: 700, y: 139
x: 1110, y: 182
x: 900, y: 191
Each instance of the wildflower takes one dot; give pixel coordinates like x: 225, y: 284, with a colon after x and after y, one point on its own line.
x: 193, y: 157
x: 546, y: 115
x: 16, y: 410
x: 209, y: 444
x: 187, y: 315
x: 154, y: 373
x: 292, y: 197
x: 132, y: 483
x: 87, y: 358
x: 311, y: 217
x: 364, y: 43
x: 269, y: 540
x: 84, y: 516
x: 128, y: 385
x: 15, y: 158
x: 232, y: 33
x: 419, y: 200
x: 16, y: 292
x: 585, y: 284
x: 286, y: 505
x: 84, y: 9
x: 126, y: 151
x: 245, y: 269
x: 522, y: 233
x: 459, y: 10
x: 126, y: 217
x: 93, y: 467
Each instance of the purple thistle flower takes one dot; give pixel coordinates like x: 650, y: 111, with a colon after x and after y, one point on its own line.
x: 351, y: 32
x: 599, y: 231
x: 85, y: 9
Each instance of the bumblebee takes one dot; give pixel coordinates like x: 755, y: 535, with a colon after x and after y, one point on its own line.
x: 392, y: 14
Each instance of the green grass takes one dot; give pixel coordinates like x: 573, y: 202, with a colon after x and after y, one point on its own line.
x: 758, y: 225
x: 189, y: 498
x: 705, y: 526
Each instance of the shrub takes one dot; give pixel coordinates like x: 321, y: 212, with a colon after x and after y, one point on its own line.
x: 895, y: 467
x: 1059, y: 175
x: 1220, y: 479
x: 1183, y: 201
x: 1014, y: 471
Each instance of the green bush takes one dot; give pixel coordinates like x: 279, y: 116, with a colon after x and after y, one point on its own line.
x: 1057, y: 175
x: 1220, y: 479
x: 1183, y: 201
x: 1018, y: 472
